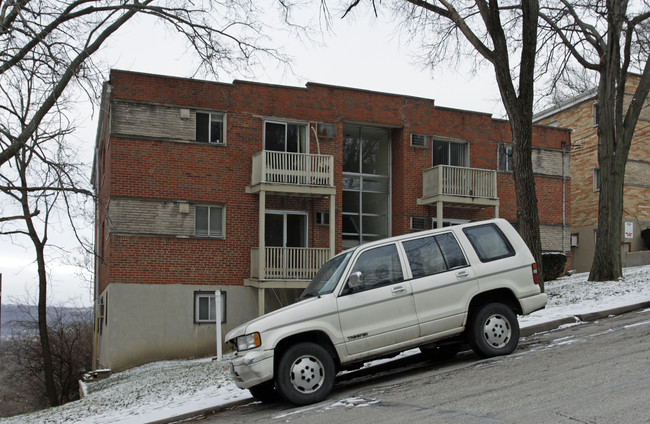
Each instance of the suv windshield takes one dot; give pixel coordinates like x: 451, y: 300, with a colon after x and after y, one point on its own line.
x: 325, y: 280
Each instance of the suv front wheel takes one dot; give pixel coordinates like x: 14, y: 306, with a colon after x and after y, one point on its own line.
x: 305, y: 374
x: 493, y: 330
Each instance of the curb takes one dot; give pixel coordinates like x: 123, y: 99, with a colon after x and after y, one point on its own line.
x: 524, y: 331
x: 590, y: 316
x: 205, y: 411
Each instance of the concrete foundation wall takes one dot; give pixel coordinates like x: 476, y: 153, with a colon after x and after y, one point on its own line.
x: 144, y: 323
x: 632, y: 250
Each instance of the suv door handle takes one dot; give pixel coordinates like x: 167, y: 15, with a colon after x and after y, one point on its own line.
x: 398, y: 290
x: 462, y: 274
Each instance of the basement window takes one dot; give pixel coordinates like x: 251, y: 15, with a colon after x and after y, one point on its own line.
x: 205, y: 307
x: 210, y: 128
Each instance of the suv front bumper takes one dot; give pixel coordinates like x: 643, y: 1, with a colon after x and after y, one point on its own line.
x: 252, y: 368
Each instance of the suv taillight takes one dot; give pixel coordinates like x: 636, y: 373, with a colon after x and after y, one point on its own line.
x: 535, y: 278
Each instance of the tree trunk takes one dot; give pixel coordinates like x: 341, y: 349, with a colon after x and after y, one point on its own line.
x: 48, y: 369
x: 525, y: 192
x: 612, y: 154
x: 39, y: 246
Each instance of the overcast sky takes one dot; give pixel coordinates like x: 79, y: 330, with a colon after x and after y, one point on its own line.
x: 362, y: 53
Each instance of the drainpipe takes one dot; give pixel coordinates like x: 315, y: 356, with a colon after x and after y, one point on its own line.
x: 563, y: 198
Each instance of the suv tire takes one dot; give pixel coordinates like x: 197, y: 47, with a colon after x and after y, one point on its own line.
x: 493, y: 330
x: 305, y: 374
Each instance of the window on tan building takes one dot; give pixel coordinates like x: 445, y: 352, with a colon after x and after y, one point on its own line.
x: 596, y: 179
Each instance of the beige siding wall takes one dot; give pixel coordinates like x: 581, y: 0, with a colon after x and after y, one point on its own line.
x: 552, y: 238
x: 152, y: 120
x: 549, y: 162
x: 139, y: 216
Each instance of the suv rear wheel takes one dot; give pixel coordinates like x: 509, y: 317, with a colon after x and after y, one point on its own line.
x: 493, y: 330
x: 305, y: 374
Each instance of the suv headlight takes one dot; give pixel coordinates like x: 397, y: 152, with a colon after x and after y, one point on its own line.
x: 249, y: 341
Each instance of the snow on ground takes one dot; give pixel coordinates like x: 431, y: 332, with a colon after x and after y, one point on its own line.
x: 171, y: 388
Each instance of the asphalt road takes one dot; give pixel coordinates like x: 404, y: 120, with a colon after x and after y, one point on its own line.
x: 596, y: 372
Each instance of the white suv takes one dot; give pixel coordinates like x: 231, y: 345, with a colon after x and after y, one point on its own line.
x: 434, y: 290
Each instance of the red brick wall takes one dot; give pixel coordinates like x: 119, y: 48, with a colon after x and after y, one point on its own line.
x: 166, y: 170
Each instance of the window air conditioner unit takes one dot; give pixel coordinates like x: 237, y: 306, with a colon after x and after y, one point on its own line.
x: 419, y: 140
x: 419, y: 223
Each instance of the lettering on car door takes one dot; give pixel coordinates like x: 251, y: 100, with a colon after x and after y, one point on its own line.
x: 381, y: 312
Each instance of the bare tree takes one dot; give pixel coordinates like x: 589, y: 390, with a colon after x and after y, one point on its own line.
x: 56, y: 41
x: 609, y: 39
x: 44, y: 184
x: 503, y: 33
x: 46, y: 53
x: 70, y: 333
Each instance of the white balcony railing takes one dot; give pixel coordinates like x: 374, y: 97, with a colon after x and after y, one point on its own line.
x: 289, y: 263
x: 293, y: 168
x: 459, y: 181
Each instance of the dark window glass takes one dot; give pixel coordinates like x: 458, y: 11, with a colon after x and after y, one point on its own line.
x: 216, y: 129
x: 434, y: 254
x: 451, y: 251
x: 275, y: 137
x: 202, y: 127
x: 208, y: 221
x: 489, y: 242
x: 425, y: 257
x: 379, y: 267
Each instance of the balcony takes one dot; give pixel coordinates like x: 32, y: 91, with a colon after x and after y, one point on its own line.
x: 293, y: 173
x: 459, y: 187
x: 286, y: 267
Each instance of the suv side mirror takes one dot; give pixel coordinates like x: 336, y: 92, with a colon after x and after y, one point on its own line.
x: 355, y: 281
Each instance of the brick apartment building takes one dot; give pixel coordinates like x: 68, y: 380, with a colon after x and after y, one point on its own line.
x: 248, y: 188
x: 580, y: 114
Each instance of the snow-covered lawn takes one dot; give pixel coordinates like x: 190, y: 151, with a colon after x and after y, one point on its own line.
x: 167, y: 389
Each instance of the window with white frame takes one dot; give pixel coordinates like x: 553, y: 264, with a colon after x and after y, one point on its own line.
x: 209, y: 221
x: 210, y: 127
x: 504, y: 158
x: 285, y: 137
x: 595, y: 109
x: 451, y: 153
x: 596, y: 179
x: 205, y: 307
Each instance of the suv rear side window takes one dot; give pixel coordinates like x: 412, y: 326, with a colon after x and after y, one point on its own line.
x: 434, y: 254
x: 489, y: 242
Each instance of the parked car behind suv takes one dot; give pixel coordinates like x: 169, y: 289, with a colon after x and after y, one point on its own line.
x: 434, y: 290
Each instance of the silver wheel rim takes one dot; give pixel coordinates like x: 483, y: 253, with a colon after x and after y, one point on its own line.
x: 497, y: 331
x: 307, y: 374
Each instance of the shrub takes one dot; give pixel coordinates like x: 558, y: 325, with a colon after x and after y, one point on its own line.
x: 645, y: 235
x: 553, y: 265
